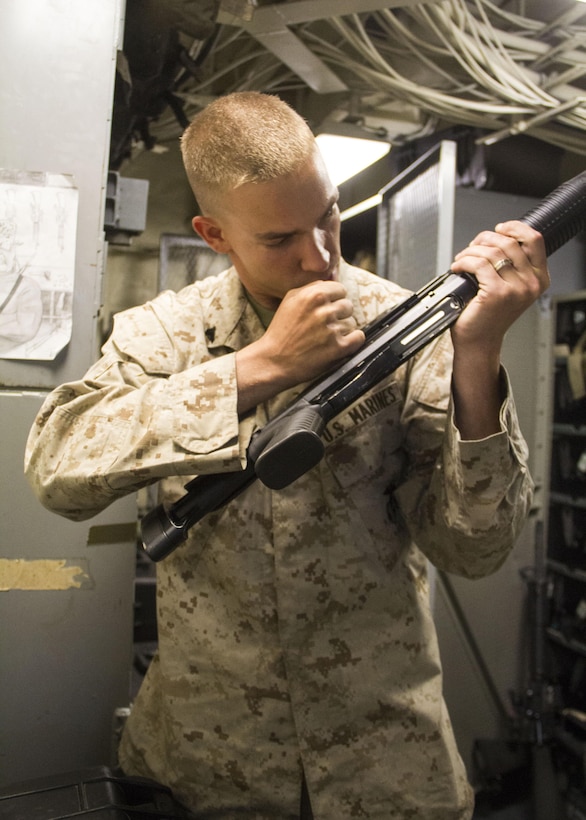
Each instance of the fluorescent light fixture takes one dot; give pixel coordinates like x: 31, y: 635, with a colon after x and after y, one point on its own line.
x: 365, y: 205
x: 347, y: 156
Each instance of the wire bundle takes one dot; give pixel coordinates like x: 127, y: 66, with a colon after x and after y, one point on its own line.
x: 464, y: 62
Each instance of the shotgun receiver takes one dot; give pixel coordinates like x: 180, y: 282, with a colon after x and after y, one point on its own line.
x: 290, y: 444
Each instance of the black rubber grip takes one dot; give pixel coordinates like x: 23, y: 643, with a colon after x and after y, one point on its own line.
x: 561, y: 215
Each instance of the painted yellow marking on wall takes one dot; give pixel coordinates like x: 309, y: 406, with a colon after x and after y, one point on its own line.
x: 112, y: 534
x: 43, y: 574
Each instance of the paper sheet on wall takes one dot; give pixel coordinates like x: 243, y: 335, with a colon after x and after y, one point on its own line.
x: 38, y: 222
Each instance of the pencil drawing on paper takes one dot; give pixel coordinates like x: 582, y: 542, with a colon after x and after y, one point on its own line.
x: 38, y: 218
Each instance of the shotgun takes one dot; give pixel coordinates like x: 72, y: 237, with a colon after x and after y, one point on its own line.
x: 291, y: 444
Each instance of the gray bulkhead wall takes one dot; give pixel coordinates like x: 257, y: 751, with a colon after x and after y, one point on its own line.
x: 483, y: 625
x: 66, y: 589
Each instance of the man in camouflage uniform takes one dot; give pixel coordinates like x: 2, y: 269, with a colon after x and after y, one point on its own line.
x: 296, y: 643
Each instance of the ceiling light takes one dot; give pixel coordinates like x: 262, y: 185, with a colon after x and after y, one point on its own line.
x: 347, y: 156
x: 361, y: 207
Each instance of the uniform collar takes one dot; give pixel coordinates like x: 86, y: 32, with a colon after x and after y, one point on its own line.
x: 232, y: 322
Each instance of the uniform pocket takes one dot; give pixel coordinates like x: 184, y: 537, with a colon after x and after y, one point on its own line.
x: 364, y: 442
x: 365, y: 455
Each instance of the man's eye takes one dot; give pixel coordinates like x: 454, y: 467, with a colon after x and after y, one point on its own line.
x: 331, y: 212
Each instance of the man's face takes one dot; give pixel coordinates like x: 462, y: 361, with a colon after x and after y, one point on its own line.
x: 282, y: 234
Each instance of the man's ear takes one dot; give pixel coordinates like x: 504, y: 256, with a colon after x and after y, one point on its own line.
x: 211, y: 232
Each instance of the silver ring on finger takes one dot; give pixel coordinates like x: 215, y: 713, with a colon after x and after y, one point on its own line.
x: 502, y: 263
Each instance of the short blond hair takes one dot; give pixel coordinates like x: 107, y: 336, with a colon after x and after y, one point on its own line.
x: 242, y: 137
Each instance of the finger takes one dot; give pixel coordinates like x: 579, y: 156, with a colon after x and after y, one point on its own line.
x: 480, y: 265
x: 525, y: 249
x: 330, y: 290
x: 502, y: 263
x: 514, y: 229
x: 493, y: 256
x: 346, y: 326
x: 529, y: 240
x: 521, y: 232
x: 353, y: 340
x: 342, y: 309
x: 532, y: 244
x: 508, y: 236
x: 515, y: 285
x: 494, y: 247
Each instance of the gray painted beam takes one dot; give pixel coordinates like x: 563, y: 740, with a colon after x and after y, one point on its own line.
x: 270, y: 26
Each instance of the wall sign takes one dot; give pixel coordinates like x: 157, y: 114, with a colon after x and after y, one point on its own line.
x: 38, y: 221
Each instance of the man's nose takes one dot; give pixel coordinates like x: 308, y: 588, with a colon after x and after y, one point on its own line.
x: 316, y: 256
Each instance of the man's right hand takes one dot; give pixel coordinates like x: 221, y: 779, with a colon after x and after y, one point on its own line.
x: 312, y: 329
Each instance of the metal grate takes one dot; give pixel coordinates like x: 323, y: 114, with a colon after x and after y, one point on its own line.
x: 185, y: 259
x: 416, y: 218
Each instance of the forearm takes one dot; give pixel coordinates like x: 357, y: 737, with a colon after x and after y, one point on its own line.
x: 258, y: 377
x: 477, y: 393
